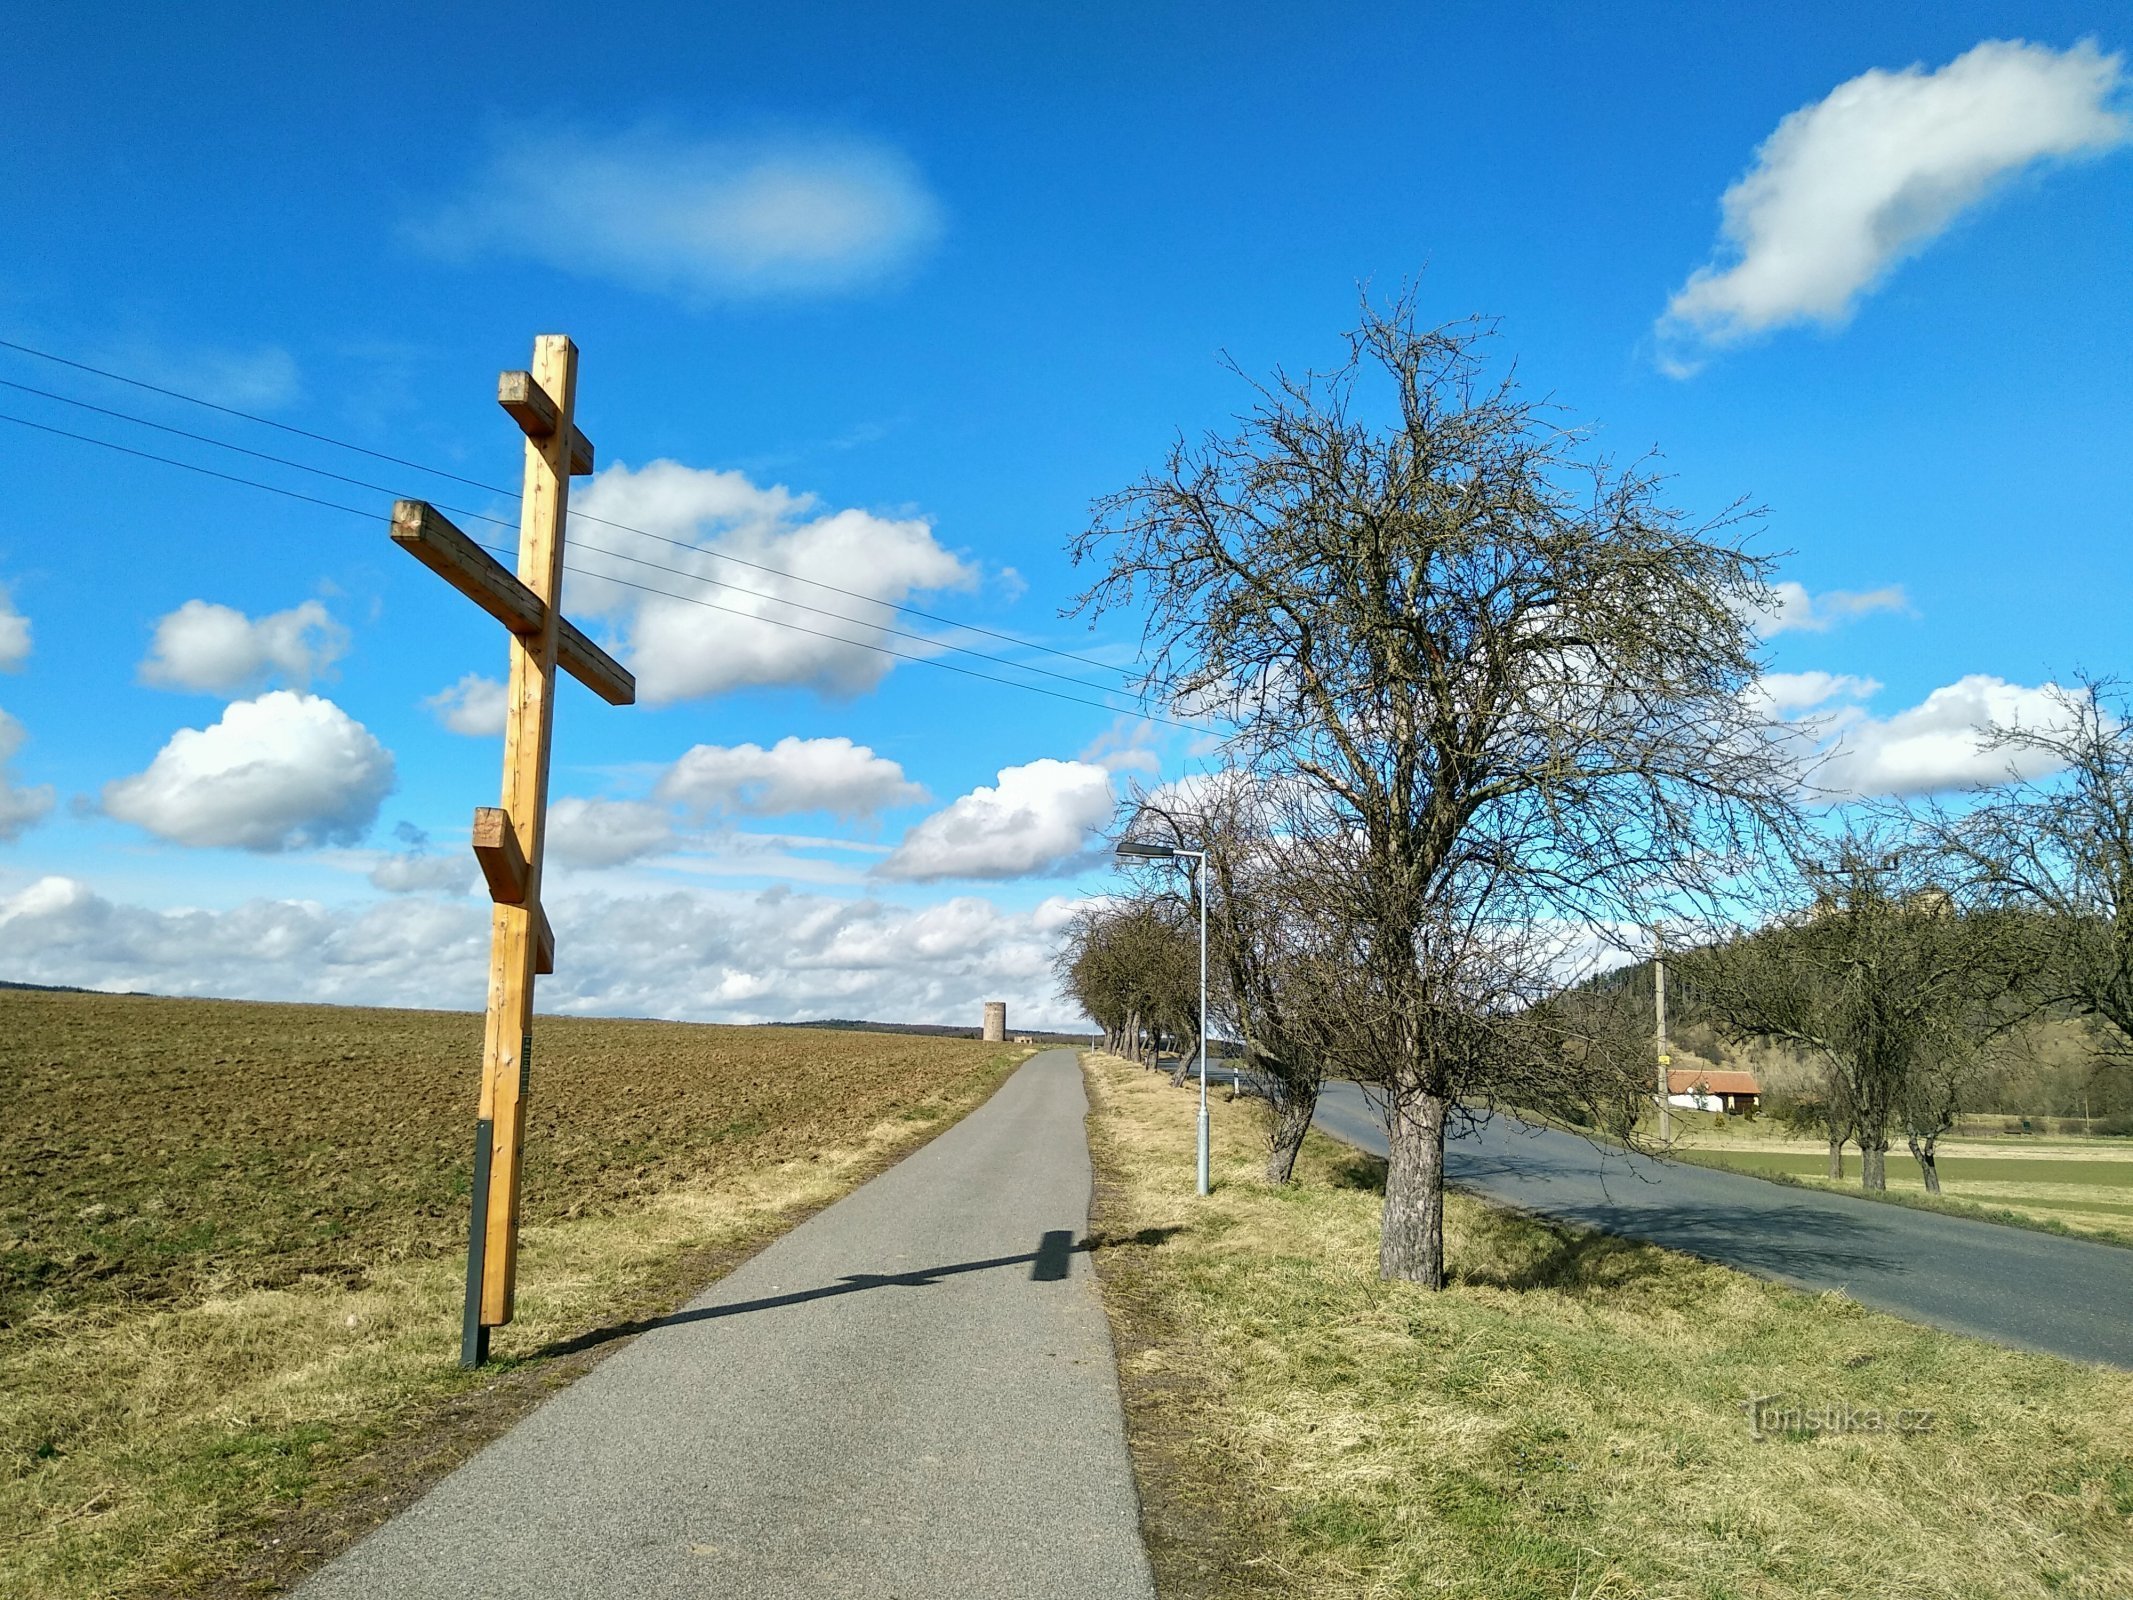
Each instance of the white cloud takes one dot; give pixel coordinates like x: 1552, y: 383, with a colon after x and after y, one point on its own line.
x: 606, y: 833
x: 1125, y: 747
x: 793, y: 775
x: 1786, y: 692
x: 1797, y: 611
x: 258, y: 379
x: 21, y: 805
x: 1938, y: 744
x: 681, y: 650
x: 14, y: 634
x: 706, y: 220
x: 281, y: 772
x: 219, y: 650
x: 1846, y: 188
x: 1038, y: 818
x: 474, y: 706
x: 418, y: 872
x: 715, y: 956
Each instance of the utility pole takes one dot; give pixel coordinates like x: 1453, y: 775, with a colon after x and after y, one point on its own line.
x: 1659, y: 1007
x: 1201, y: 877
x: 508, y: 838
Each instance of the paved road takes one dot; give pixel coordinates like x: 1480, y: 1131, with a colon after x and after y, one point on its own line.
x: 910, y: 1395
x: 2031, y: 1290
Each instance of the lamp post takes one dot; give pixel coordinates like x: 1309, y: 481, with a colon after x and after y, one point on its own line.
x: 1133, y: 850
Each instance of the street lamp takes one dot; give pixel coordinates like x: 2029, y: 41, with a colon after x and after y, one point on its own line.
x: 1134, y: 850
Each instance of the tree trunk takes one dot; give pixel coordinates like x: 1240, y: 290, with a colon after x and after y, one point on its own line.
x: 1836, y: 1156
x: 1923, y: 1152
x: 1188, y: 1061
x: 1290, y: 1121
x: 1873, y: 1166
x: 1411, y: 1239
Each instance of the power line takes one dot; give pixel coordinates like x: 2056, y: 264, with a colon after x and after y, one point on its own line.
x: 220, y: 444
x: 775, y: 622
x: 509, y: 494
x: 264, y: 422
x: 901, y: 655
x: 189, y: 466
x: 482, y: 516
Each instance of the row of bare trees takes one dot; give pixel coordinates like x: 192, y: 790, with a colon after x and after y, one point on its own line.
x: 1924, y: 939
x: 1490, y: 708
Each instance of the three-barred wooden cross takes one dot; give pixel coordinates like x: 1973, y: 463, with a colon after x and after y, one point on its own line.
x: 508, y: 838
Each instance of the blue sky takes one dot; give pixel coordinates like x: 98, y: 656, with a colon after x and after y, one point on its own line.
x: 894, y: 293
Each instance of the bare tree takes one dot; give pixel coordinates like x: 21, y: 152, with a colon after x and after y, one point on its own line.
x: 1256, y: 940
x: 1133, y: 966
x: 2059, y: 846
x: 1885, y: 982
x: 1511, y: 674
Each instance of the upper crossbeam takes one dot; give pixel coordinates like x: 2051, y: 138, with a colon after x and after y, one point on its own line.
x: 428, y: 535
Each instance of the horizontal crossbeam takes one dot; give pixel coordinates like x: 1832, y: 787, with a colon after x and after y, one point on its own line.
x: 503, y: 862
x: 534, y: 410
x: 425, y: 533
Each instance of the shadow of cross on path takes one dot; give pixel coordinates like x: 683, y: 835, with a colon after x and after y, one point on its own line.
x: 912, y: 1393
x: 1047, y: 1263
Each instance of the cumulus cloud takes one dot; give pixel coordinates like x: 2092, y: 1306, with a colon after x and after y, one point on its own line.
x: 712, y: 956
x: 704, y: 220
x: 1125, y: 746
x: 606, y: 833
x: 395, y: 952
x: 21, y: 805
x: 1038, y: 818
x: 681, y: 650
x: 1938, y: 744
x: 794, y: 775
x: 285, y: 771
x: 1794, y: 610
x: 1846, y: 188
x: 474, y: 706
x: 418, y: 872
x: 1787, y: 692
x: 219, y: 650
x: 14, y: 634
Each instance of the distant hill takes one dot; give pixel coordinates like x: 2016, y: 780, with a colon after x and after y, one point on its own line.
x: 935, y: 1030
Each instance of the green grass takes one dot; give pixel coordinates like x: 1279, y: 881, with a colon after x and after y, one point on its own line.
x: 1566, y: 1418
x: 2083, y: 1199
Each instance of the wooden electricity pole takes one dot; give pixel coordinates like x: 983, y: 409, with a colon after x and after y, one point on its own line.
x: 1666, y: 1061
x: 508, y: 838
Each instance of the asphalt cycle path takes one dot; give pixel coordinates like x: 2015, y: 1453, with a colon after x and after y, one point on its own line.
x: 910, y: 1395
x: 2035, y: 1291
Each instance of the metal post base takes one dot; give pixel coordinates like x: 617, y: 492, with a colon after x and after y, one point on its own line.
x: 473, y: 1335
x: 1203, y: 1150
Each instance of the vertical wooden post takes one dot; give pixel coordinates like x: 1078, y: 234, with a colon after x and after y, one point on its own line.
x: 507, y: 1048
x: 1666, y: 1059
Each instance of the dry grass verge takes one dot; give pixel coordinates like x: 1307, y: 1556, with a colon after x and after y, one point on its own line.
x: 231, y: 1244
x: 1567, y: 1418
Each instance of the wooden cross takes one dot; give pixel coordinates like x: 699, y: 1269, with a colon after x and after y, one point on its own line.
x: 508, y: 838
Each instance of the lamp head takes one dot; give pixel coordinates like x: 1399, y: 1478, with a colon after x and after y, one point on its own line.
x: 1134, y: 849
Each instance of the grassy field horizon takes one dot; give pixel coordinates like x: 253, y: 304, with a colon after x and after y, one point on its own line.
x: 232, y: 1236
